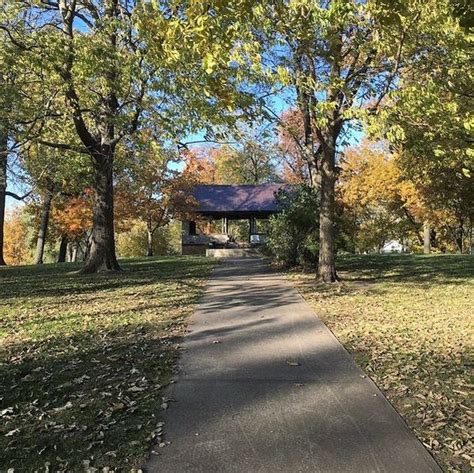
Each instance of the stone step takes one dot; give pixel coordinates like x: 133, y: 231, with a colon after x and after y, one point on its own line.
x: 232, y: 252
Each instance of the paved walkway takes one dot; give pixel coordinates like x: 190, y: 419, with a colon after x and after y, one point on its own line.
x: 266, y: 387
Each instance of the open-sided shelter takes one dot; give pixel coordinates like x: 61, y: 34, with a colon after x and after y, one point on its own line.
x: 222, y: 203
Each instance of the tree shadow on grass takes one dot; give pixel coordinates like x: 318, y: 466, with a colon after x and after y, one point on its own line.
x: 89, y: 394
x: 401, y: 268
x: 52, y: 280
x: 75, y: 388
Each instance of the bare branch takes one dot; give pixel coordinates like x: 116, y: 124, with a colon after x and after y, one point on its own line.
x: 16, y: 196
x: 14, y: 41
x: 64, y: 146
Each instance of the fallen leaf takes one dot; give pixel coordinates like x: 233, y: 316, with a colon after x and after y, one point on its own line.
x: 8, y: 410
x: 12, y: 433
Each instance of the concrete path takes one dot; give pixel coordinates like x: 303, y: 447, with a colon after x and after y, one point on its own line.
x: 266, y: 387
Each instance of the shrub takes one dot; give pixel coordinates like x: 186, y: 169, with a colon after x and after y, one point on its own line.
x: 293, y: 236
x: 133, y: 242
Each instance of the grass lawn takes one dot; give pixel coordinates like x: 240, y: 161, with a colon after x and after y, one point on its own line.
x: 408, y: 321
x: 83, y: 360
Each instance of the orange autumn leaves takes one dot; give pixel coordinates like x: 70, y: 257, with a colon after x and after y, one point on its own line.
x: 73, y: 217
x: 290, y: 136
x: 70, y: 217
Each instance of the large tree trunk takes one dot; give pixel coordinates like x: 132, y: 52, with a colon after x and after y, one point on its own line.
x: 43, y: 230
x: 327, y: 259
x: 3, y: 189
x: 149, y: 231
x: 102, y: 250
x: 62, y: 250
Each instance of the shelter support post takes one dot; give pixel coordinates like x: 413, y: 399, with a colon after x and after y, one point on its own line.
x: 252, y: 227
x: 225, y: 225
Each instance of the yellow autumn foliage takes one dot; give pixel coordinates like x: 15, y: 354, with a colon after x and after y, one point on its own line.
x: 16, y: 248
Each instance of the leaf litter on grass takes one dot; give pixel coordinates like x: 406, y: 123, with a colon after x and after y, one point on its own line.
x: 407, y: 320
x: 84, y: 360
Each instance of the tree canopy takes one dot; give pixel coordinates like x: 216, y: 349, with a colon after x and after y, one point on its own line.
x: 101, y: 98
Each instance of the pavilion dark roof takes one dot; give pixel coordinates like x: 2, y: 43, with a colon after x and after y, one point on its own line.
x: 237, y: 198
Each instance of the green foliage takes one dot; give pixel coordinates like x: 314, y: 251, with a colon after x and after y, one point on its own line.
x: 50, y: 170
x: 340, y: 59
x: 430, y: 115
x: 293, y: 233
x: 253, y: 163
x: 238, y: 230
x: 133, y: 242
x: 100, y: 71
x: 197, y: 51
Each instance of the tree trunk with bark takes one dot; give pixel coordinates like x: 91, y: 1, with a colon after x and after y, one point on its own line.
x: 101, y: 143
x: 433, y: 238
x: 459, y: 236
x: 149, y: 231
x: 327, y: 263
x: 426, y: 239
x: 3, y: 189
x: 62, y: 250
x: 471, y: 236
x: 43, y: 230
x: 102, y: 249
x: 75, y: 250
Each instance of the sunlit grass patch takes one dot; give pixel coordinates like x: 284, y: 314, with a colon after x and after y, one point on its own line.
x: 84, y: 359
x: 408, y: 321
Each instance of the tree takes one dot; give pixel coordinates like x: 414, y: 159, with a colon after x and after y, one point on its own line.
x: 293, y: 233
x: 251, y: 163
x: 112, y: 63
x: 16, y: 244
x: 375, y: 199
x: 3, y: 189
x: 43, y: 229
x: 199, y: 165
x: 134, y: 242
x: 12, y: 112
x: 51, y: 173
x: 151, y: 189
x: 378, y: 201
x: 72, y: 219
x: 430, y: 124
x: 341, y: 59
